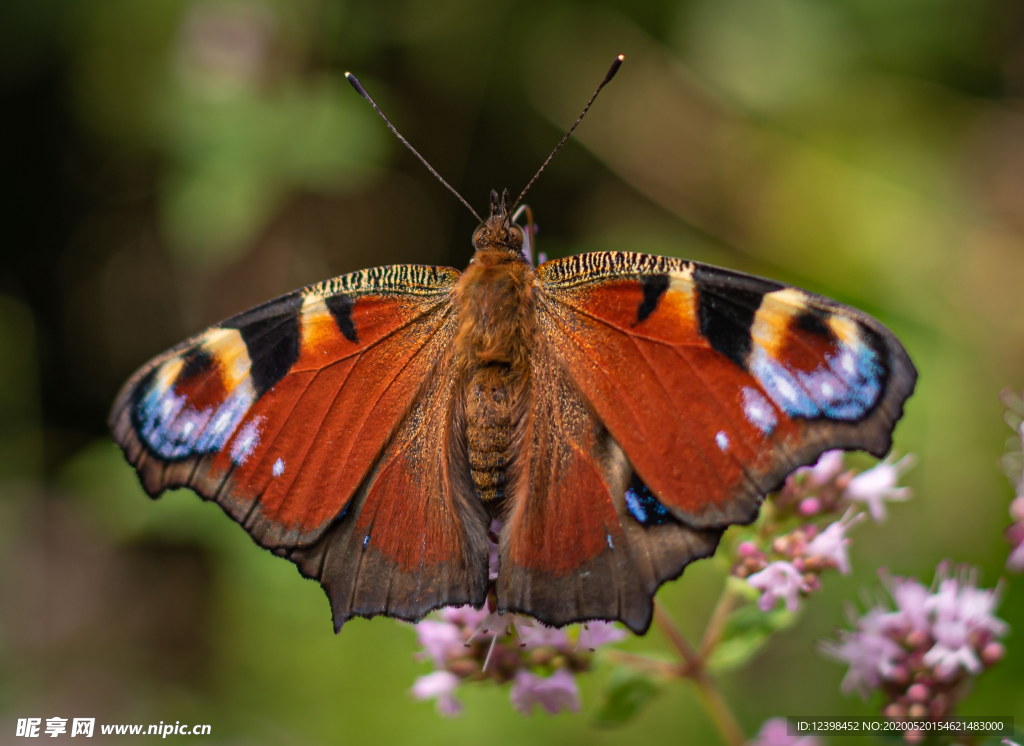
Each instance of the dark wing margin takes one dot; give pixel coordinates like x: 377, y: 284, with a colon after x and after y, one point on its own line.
x: 291, y: 416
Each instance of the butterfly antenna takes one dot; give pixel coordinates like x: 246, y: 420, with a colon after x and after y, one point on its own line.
x: 611, y: 74
x: 362, y: 92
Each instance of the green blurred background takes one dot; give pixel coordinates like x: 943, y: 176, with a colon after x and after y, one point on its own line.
x: 167, y: 163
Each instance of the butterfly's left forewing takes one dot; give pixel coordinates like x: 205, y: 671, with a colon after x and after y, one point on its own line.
x: 318, y: 416
x: 714, y: 384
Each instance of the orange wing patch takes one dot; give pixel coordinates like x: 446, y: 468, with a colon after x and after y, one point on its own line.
x: 279, y: 414
x: 718, y: 384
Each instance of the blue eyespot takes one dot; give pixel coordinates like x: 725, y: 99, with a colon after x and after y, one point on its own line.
x: 644, y: 506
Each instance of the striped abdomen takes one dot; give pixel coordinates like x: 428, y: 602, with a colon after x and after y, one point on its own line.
x: 490, y: 427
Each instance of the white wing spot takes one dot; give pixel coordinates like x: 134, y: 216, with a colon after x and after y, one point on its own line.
x: 758, y: 411
x: 722, y: 440
x: 222, y: 422
x: 278, y: 467
x: 247, y: 440
x: 785, y: 388
x: 847, y: 362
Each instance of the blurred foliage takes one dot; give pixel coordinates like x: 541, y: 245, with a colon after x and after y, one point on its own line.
x: 747, y: 629
x: 168, y: 163
x: 626, y: 694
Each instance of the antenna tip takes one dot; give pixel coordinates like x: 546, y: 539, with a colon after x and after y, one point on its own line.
x: 616, y: 64
x: 356, y: 84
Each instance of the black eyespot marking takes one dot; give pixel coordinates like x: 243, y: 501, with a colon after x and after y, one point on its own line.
x: 340, y: 307
x: 813, y: 322
x: 727, y: 305
x: 271, y: 335
x: 195, y: 362
x: 644, y: 506
x: 654, y: 287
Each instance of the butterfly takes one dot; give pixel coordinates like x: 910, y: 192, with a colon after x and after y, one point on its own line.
x: 614, y: 411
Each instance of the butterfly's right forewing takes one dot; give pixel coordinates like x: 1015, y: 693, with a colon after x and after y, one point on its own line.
x: 321, y: 415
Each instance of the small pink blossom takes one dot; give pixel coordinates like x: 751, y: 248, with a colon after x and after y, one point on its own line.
x: 877, y: 485
x: 775, y: 732
x: 597, y: 633
x: 554, y: 693
x: 441, y: 641
x: 779, y: 580
x: 535, y: 635
x: 977, y: 606
x: 912, y: 606
x: 828, y: 467
x: 871, y: 655
x: 952, y: 649
x: 832, y: 542
x: 439, y: 685
x: 959, y: 599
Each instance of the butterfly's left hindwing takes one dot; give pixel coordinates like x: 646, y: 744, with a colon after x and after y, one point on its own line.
x: 718, y: 384
x: 320, y: 415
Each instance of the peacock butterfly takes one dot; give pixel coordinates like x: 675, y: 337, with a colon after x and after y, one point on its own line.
x: 615, y: 411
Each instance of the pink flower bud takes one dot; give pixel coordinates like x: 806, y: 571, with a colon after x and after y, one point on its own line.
x: 747, y: 549
x: 918, y: 693
x: 1017, y: 509
x: 918, y: 638
x: 809, y: 506
x: 899, y: 675
x: 895, y: 711
x: 992, y: 653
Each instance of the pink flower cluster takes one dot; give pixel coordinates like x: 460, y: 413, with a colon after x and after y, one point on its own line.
x: 1013, y: 465
x: 829, y: 487
x: 466, y: 644
x: 923, y: 653
x: 788, y: 565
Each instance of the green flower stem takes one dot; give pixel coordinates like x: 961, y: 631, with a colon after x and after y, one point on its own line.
x: 692, y: 660
x: 658, y: 668
x: 716, y: 625
x: 693, y: 668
